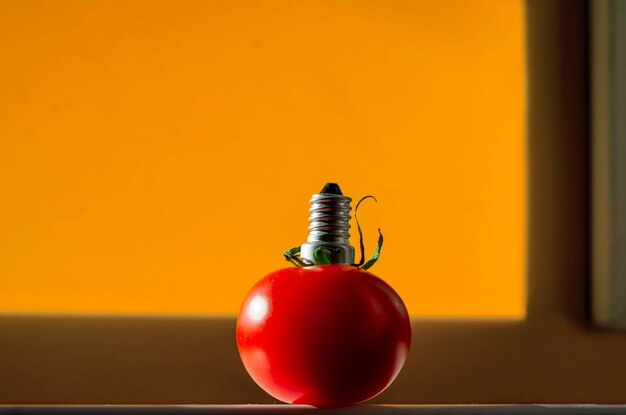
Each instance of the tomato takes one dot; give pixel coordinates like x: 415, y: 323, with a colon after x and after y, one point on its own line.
x: 330, y: 335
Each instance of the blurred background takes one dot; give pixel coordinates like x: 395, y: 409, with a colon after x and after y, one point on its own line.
x: 159, y: 156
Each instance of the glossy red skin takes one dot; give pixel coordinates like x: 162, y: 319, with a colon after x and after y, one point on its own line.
x: 325, y: 336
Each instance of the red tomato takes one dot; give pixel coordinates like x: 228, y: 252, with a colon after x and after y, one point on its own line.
x: 328, y: 335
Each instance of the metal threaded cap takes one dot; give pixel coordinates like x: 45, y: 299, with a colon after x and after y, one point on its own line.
x: 329, y: 225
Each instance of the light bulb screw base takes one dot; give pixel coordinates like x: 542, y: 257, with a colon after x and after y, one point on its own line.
x: 329, y: 225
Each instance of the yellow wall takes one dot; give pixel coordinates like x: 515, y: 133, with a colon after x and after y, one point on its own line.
x: 158, y: 156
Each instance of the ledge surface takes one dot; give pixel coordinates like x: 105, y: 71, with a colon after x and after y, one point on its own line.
x: 297, y: 409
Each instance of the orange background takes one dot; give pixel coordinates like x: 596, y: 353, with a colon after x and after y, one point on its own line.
x: 158, y: 156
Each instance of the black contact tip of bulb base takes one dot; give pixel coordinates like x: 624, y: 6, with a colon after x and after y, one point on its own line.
x: 331, y: 189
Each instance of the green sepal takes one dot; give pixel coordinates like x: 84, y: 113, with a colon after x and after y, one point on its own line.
x: 358, y: 227
x: 376, y: 254
x: 320, y: 255
x: 293, y: 256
